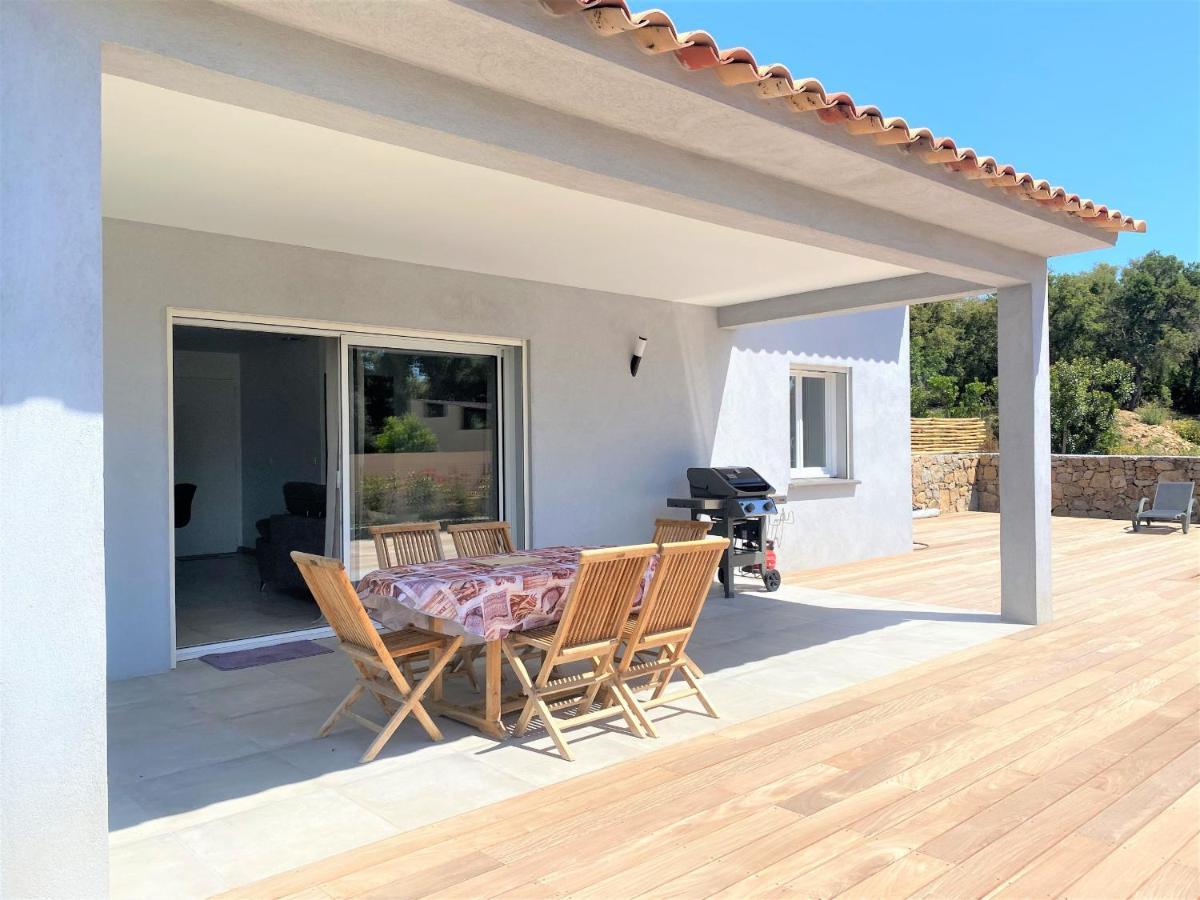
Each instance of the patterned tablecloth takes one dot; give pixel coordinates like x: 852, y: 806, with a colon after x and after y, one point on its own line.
x: 486, y: 601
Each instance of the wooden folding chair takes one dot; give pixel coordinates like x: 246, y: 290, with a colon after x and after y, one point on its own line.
x: 663, y: 627
x: 671, y: 531
x: 481, y: 538
x: 374, y: 655
x: 595, y: 611
x: 409, y: 544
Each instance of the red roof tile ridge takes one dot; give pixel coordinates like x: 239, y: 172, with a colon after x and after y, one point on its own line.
x: 655, y: 32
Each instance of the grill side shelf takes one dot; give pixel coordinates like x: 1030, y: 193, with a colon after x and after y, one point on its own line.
x: 701, y: 503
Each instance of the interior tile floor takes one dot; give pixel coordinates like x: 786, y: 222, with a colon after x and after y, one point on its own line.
x: 216, y: 779
x: 217, y: 598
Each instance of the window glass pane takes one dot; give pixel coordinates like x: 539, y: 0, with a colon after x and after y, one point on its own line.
x: 812, y: 402
x: 424, y: 442
x: 792, y: 417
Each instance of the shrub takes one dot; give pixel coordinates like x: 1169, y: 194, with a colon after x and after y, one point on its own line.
x: 373, y: 491
x: 1188, y: 429
x: 405, y: 434
x: 1152, y: 414
x: 975, y: 402
x: 422, y: 494
x: 918, y: 401
x: 462, y: 499
x: 1084, y: 396
x: 942, y: 391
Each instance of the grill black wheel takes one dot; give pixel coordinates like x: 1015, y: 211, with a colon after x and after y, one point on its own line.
x: 772, y: 579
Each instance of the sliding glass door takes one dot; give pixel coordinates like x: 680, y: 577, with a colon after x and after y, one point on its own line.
x: 427, y: 438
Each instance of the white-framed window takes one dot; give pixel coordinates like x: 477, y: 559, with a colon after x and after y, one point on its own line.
x: 819, y: 412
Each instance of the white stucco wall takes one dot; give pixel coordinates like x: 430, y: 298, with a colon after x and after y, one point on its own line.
x: 823, y: 525
x: 53, y: 792
x: 606, y: 449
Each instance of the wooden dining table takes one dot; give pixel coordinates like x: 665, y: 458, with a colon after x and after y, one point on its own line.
x: 484, y: 599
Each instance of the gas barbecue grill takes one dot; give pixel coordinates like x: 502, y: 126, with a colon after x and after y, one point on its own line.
x: 738, y: 500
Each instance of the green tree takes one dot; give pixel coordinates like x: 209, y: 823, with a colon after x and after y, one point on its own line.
x: 977, y: 341
x: 1076, y: 303
x: 976, y: 400
x: 1084, y: 396
x: 1151, y: 318
x: 943, y: 392
x: 1184, y: 381
x: 954, y: 340
x: 933, y: 340
x: 1146, y: 315
x: 405, y: 434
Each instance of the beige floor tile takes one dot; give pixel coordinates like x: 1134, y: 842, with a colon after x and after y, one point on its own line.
x: 248, y: 790
x: 148, y: 752
x: 273, y: 693
x: 279, y: 836
x: 286, y: 725
x: 414, y: 795
x: 159, y: 867
x: 187, y: 798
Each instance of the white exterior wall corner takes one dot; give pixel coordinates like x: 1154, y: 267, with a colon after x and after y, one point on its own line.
x: 53, y: 823
x: 823, y: 525
x: 606, y: 449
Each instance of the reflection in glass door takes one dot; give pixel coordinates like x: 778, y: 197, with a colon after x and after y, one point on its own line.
x: 424, y: 442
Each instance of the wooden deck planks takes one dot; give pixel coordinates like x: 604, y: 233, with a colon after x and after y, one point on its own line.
x: 1062, y: 760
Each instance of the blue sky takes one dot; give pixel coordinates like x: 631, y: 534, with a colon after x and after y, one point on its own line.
x: 1100, y: 97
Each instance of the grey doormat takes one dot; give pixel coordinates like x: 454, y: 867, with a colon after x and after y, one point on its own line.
x: 261, y: 656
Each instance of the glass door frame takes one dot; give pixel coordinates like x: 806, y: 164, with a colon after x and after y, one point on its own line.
x: 515, y: 492
x: 230, y: 322
x: 512, y: 438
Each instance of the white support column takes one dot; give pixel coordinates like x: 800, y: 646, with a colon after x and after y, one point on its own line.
x: 53, y: 788
x: 1024, y: 365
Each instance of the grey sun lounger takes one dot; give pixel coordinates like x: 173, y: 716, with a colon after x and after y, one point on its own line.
x: 1173, y: 502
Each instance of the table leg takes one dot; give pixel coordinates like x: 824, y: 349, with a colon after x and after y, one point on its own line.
x: 436, y: 689
x: 485, y: 716
x: 493, y: 685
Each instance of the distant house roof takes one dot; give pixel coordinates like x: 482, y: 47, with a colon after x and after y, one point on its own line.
x: 654, y: 32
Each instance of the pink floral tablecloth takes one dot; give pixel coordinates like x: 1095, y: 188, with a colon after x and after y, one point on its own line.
x: 484, y: 600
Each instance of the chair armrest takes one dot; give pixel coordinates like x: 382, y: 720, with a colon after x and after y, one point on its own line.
x: 1142, y: 505
x: 1191, y: 508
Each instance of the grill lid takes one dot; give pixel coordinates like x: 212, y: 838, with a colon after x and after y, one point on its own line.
x: 727, y: 481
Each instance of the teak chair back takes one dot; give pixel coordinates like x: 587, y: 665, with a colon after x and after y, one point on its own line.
x: 412, y: 544
x: 339, y: 603
x: 665, y: 623
x: 374, y: 655
x: 407, y: 545
x: 594, y: 614
x: 481, y: 538
x: 671, y: 531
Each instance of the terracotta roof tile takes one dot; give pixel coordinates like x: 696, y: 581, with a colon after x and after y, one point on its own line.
x: 654, y: 32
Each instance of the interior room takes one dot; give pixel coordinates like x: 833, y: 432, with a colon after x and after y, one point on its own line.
x: 250, y: 458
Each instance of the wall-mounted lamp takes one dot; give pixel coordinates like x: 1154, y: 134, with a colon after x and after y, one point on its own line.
x: 639, y: 349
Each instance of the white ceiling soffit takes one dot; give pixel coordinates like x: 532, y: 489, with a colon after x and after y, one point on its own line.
x: 515, y: 47
x: 179, y: 160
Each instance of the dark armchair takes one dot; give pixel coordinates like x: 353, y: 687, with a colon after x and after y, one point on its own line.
x: 301, y: 528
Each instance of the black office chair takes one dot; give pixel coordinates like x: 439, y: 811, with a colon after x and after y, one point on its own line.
x: 183, y: 504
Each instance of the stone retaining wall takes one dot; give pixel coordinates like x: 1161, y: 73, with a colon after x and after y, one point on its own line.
x: 1097, y: 487
x: 956, y: 482
x: 1109, y: 487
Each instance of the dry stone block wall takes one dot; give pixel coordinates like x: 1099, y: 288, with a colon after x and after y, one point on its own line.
x: 1098, y: 487
x: 955, y: 482
x: 1109, y: 487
